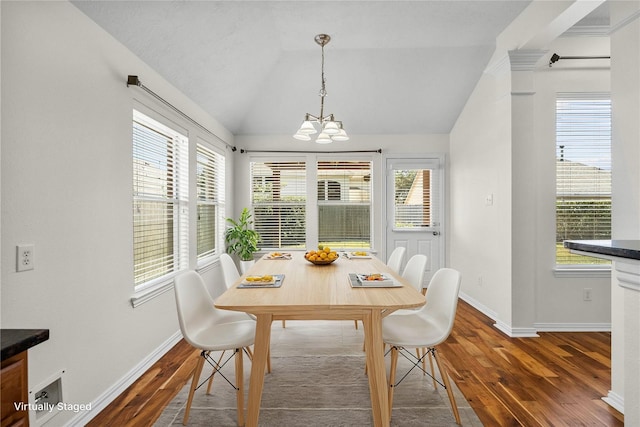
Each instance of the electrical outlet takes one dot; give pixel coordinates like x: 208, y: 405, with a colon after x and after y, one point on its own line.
x: 586, y: 294
x: 24, y: 257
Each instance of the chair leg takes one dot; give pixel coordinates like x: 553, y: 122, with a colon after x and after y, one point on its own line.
x: 447, y: 383
x: 284, y: 325
x: 194, y: 383
x: 433, y: 373
x: 213, y: 374
x: 356, y: 323
x: 392, y: 377
x: 239, y: 388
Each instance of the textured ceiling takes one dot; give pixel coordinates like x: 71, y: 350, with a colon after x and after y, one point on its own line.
x: 392, y: 67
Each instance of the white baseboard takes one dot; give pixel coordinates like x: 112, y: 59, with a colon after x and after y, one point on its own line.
x: 479, y: 306
x: 615, y: 401
x: 516, y: 332
x: 537, y: 327
x: 572, y: 327
x: 500, y: 325
x: 116, y: 389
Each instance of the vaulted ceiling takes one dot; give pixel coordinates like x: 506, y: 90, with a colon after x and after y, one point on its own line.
x: 392, y: 67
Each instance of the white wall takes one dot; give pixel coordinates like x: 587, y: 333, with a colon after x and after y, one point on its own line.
x: 503, y: 144
x: 66, y: 188
x: 480, y: 238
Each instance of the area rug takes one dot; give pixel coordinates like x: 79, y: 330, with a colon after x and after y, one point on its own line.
x: 317, y: 379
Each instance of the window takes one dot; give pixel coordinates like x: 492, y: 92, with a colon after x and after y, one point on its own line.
x: 160, y: 200
x: 344, y: 203
x: 583, y: 172
x: 289, y: 215
x: 210, y: 175
x: 413, y: 206
x: 279, y: 197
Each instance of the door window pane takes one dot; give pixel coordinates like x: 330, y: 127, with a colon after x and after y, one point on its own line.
x: 412, y: 198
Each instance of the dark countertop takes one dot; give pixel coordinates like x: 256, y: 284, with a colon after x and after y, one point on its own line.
x: 16, y: 341
x: 629, y: 249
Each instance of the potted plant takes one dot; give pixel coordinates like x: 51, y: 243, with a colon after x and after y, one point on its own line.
x: 242, y: 239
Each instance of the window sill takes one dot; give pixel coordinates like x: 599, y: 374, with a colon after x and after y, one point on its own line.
x: 149, y: 293
x: 166, y: 284
x: 577, y: 271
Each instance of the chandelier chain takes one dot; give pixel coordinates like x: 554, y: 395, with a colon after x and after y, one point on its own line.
x: 330, y: 128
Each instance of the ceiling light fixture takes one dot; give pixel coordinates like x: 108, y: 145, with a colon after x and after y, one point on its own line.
x: 330, y: 128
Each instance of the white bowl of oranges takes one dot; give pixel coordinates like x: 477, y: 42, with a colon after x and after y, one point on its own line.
x: 323, y: 256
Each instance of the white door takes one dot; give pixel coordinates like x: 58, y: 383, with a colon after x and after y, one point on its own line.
x: 415, y: 209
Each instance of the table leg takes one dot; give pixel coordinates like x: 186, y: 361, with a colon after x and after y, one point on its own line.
x: 378, y: 386
x: 260, y: 351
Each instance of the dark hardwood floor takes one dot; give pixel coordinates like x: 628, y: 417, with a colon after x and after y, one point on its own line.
x: 557, y: 379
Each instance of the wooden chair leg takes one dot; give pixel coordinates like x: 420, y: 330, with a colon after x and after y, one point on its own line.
x: 284, y: 325
x: 392, y: 377
x: 239, y: 386
x: 447, y: 383
x: 356, y: 323
x: 214, y: 374
x: 194, y: 383
x: 433, y: 373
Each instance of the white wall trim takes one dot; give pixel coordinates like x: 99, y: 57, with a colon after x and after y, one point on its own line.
x: 479, y: 306
x: 516, y: 332
x: 500, y: 325
x: 129, y: 378
x: 572, y: 327
x: 150, y: 293
x: 615, y: 401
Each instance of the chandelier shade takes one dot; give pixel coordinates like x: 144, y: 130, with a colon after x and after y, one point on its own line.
x: 330, y: 129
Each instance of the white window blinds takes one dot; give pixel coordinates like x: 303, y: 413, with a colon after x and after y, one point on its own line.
x: 583, y: 171
x: 160, y: 197
x: 278, y: 198
x: 344, y: 203
x: 413, y: 198
x: 210, y: 182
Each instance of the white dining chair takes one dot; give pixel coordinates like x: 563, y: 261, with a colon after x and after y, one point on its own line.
x: 394, y: 262
x: 396, y: 259
x: 414, y: 271
x: 425, y: 328
x: 230, y: 273
x: 414, y: 274
x: 209, y: 329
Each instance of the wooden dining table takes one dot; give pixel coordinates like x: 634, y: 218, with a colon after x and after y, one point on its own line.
x: 321, y: 292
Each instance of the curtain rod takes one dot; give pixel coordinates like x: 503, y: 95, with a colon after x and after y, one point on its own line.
x: 555, y: 58
x: 379, y: 150
x: 134, y: 80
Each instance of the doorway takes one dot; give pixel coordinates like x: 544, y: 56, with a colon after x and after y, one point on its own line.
x: 415, y: 209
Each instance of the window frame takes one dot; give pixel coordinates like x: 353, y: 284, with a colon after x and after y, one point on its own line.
x: 343, y: 200
x: 219, y: 202
x: 262, y: 204
x: 311, y: 207
x: 159, y: 112
x: 178, y: 202
x: 576, y: 269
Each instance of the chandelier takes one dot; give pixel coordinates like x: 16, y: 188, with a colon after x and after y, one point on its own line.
x: 330, y: 128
